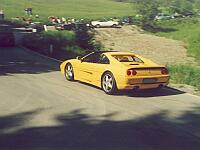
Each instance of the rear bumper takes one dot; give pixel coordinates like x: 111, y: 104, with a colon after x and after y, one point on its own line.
x: 137, y: 82
x: 143, y: 86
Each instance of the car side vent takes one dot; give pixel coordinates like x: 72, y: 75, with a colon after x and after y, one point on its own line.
x: 134, y: 64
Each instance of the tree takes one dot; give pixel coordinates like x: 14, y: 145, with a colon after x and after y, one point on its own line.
x: 181, y: 6
x: 148, y: 9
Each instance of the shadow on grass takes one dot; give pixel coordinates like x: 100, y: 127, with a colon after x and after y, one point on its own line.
x: 19, y: 61
x: 79, y: 131
x: 156, y: 28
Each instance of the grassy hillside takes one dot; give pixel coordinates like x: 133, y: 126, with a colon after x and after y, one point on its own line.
x: 186, y: 30
x: 67, y: 8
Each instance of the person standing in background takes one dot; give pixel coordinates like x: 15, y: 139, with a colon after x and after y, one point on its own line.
x: 2, y: 14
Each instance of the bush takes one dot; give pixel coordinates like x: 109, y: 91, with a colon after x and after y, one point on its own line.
x: 58, y: 39
x: 84, y: 38
x: 74, y: 49
x: 65, y: 44
x: 41, y: 42
x: 45, y: 39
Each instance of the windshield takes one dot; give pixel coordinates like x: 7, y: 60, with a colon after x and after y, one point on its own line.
x: 127, y: 58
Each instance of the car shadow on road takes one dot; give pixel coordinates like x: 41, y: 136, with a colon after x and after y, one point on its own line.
x: 165, y: 91
x: 79, y: 131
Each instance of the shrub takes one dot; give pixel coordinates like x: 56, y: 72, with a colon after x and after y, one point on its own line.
x: 41, y: 42
x: 84, y: 38
x: 44, y: 39
x: 58, y: 39
x: 75, y: 49
x: 65, y: 44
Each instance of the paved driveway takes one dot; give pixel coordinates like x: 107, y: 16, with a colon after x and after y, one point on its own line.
x: 40, y: 110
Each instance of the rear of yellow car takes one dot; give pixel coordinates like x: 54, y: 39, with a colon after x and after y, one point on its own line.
x: 139, y: 73
x: 144, y: 78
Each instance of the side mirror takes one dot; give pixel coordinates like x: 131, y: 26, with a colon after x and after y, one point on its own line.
x: 78, y: 57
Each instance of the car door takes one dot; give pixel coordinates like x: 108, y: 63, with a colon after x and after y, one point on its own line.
x: 87, y: 67
x: 93, y: 67
x: 98, y: 69
x: 109, y: 23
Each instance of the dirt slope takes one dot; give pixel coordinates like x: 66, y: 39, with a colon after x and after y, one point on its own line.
x: 131, y: 38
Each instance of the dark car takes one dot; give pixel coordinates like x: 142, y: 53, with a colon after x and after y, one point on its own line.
x: 127, y: 20
x: 6, y: 36
x: 82, y: 26
x: 70, y: 26
x: 188, y: 14
x: 36, y: 25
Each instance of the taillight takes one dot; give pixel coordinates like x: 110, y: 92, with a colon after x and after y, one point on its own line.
x: 164, y: 71
x: 134, y: 72
x: 131, y: 72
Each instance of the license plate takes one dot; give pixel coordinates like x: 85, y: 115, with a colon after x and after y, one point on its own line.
x: 150, y: 80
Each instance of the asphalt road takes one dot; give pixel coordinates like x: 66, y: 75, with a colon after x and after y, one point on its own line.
x: 40, y: 110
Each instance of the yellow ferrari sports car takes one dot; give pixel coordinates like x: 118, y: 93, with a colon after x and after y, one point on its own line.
x: 113, y: 70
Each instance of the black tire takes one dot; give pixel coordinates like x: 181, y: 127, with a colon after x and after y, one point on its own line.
x: 108, y: 83
x: 114, y: 26
x: 69, y: 73
x: 97, y: 26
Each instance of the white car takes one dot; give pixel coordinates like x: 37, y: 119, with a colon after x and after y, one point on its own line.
x: 162, y: 16
x: 99, y: 24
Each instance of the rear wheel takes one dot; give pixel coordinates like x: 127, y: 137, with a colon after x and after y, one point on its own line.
x: 108, y: 83
x: 97, y: 26
x: 114, y: 26
x: 69, y: 73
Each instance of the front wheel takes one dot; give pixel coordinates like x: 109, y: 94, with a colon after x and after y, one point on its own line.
x: 108, y: 83
x: 69, y: 73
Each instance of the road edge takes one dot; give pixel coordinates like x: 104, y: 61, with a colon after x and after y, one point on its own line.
x: 52, y: 62
x: 36, y: 53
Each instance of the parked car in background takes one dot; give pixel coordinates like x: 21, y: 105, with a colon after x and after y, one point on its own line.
x: 38, y: 26
x: 162, y: 16
x: 127, y: 20
x: 188, y: 14
x: 178, y: 15
x: 62, y: 26
x: 104, y: 23
x: 6, y: 36
x: 72, y: 26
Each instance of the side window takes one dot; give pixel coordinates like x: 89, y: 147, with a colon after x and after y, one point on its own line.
x: 104, y: 60
x: 136, y: 59
x: 93, y: 58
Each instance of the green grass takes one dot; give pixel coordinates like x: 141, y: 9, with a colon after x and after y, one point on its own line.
x: 91, y: 9
x: 187, y: 30
x: 185, y: 74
